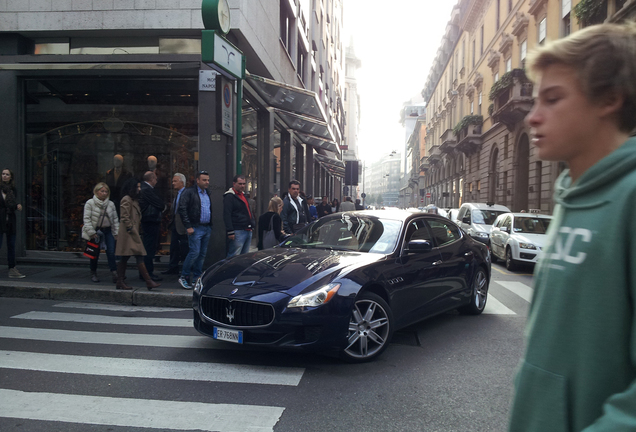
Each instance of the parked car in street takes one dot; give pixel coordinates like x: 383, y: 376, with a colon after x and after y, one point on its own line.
x: 452, y: 214
x: 344, y: 284
x: 477, y: 219
x: 518, y: 238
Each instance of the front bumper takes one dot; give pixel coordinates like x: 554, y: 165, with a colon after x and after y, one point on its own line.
x: 323, y: 328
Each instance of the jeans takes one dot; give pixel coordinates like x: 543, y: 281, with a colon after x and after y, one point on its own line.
x: 198, y: 243
x: 110, y: 251
x: 10, y: 248
x: 150, y: 240
x: 241, y: 243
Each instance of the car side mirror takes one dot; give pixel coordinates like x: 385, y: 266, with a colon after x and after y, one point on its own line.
x: 466, y: 219
x: 503, y: 229
x: 419, y: 246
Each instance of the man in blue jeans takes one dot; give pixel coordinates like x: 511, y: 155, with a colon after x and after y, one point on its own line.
x: 238, y: 218
x: 195, y: 209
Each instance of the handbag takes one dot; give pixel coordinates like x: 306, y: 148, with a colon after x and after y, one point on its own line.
x: 269, y: 240
x: 91, y: 250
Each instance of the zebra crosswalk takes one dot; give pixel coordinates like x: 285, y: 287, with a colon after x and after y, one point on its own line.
x: 77, y: 341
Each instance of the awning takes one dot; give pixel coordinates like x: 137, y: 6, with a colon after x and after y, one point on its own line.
x: 299, y: 109
x: 334, y: 166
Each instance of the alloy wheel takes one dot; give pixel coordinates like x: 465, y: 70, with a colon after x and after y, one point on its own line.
x: 480, y: 290
x: 369, y: 329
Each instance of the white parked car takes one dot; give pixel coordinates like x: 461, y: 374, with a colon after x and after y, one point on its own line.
x: 518, y: 238
x: 452, y: 214
x: 477, y: 219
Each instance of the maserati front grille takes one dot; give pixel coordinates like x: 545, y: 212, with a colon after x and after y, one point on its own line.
x: 237, y: 313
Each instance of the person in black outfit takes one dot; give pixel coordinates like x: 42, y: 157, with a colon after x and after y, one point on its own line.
x: 272, y: 215
x: 151, y: 208
x: 324, y: 208
x: 178, y: 236
x: 295, y: 214
x: 358, y: 205
x: 8, y: 207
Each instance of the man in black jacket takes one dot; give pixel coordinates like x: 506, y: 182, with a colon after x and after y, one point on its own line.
x: 295, y: 214
x: 324, y: 208
x: 238, y: 218
x: 151, y: 206
x: 195, y: 209
x: 178, y: 236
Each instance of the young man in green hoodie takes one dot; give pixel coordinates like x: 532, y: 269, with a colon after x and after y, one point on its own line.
x: 579, y: 369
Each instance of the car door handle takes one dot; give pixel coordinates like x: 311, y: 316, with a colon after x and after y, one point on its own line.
x: 437, y: 262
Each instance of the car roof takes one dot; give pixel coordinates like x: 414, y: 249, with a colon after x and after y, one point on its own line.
x: 485, y: 206
x: 394, y: 214
x: 532, y: 215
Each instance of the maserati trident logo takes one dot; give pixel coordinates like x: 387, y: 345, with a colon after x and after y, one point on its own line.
x: 229, y: 313
x: 234, y: 291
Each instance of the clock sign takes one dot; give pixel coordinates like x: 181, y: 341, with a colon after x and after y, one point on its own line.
x: 216, y: 15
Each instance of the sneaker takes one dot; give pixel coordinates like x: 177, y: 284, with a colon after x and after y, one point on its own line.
x: 14, y: 273
x: 184, y: 283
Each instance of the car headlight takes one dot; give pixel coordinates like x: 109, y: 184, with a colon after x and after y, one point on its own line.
x: 527, y: 246
x: 315, y: 298
x: 481, y: 234
x: 198, y: 286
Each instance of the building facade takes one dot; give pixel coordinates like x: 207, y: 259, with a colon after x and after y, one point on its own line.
x: 382, y: 181
x: 105, y: 90
x: 477, y: 93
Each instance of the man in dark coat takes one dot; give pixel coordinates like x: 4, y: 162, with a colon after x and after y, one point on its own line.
x: 295, y: 214
x: 324, y: 208
x: 178, y: 236
x: 238, y: 218
x: 195, y: 210
x: 151, y: 208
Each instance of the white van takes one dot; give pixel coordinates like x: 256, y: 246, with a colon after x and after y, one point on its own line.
x: 477, y: 219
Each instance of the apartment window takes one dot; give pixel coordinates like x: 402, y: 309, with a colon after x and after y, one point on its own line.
x: 523, y: 51
x: 474, y: 53
x: 481, y: 37
x: 478, y: 183
x: 479, y: 105
x: 496, y: 77
x: 542, y: 29
x: 505, y: 146
x: 505, y: 187
x: 566, y: 8
x: 497, y: 12
x: 508, y: 64
x: 301, y: 62
x: 472, y: 107
x: 509, y: 6
x: 286, y: 21
x: 463, y: 52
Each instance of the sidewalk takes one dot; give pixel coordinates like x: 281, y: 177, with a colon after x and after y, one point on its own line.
x: 68, y: 278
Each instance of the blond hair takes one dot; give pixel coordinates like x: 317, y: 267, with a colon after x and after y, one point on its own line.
x: 274, y: 203
x: 100, y: 185
x: 604, y: 59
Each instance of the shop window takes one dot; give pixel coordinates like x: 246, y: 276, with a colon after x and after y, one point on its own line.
x: 82, y: 131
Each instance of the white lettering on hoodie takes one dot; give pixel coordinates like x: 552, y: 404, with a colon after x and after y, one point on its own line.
x: 564, y: 242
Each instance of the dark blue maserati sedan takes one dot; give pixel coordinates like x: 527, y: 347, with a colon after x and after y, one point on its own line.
x: 344, y: 284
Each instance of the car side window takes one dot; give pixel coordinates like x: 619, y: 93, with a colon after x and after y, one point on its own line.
x: 508, y: 223
x: 417, y: 230
x: 462, y: 212
x: 444, y: 233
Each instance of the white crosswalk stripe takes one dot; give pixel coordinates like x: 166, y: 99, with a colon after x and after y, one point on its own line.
x: 519, y: 288
x: 103, y: 319
x: 114, y: 307
x: 495, y: 307
x: 143, y: 413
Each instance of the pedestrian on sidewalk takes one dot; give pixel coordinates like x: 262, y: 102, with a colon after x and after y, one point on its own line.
x: 295, y: 214
x: 312, y: 208
x: 152, y: 206
x: 324, y: 208
x: 129, y: 242
x: 178, y: 236
x: 195, y: 209
x: 579, y: 369
x: 238, y: 218
x: 271, y: 219
x: 8, y: 207
x: 347, y: 205
x: 101, y: 225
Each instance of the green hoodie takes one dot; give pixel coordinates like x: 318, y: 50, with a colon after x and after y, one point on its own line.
x: 579, y: 370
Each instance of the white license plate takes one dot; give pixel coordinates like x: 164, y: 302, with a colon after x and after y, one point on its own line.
x: 235, y: 336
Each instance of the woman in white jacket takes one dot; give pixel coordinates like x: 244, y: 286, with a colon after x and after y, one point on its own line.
x: 100, y: 215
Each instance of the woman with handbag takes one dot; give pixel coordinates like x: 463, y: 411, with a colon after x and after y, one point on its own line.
x: 129, y: 242
x: 8, y: 207
x: 101, y: 225
x: 270, y: 225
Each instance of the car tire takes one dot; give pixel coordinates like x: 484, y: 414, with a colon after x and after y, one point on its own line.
x: 478, y: 294
x: 510, y: 263
x: 370, y: 329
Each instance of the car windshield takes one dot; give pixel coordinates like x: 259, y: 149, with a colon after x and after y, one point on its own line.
x: 485, y: 217
x: 349, y: 233
x: 531, y: 225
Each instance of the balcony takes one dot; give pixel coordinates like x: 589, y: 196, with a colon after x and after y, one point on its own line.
x: 512, y: 98
x: 468, y: 133
x: 434, y: 155
x: 448, y: 141
x: 424, y: 165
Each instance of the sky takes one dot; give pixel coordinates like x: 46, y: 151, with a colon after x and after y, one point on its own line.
x: 396, y: 41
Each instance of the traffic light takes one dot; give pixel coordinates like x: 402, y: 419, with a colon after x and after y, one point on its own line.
x: 351, y: 173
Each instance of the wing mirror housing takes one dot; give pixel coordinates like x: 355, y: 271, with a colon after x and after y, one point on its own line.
x: 503, y: 229
x: 419, y: 246
x: 466, y: 220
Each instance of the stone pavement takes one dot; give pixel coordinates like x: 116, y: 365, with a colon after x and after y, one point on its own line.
x: 72, y: 282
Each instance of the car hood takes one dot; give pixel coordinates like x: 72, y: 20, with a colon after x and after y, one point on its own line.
x: 483, y: 228
x: 535, y: 239
x: 288, y: 270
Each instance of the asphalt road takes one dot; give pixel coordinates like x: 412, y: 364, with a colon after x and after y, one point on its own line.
x: 100, y: 367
